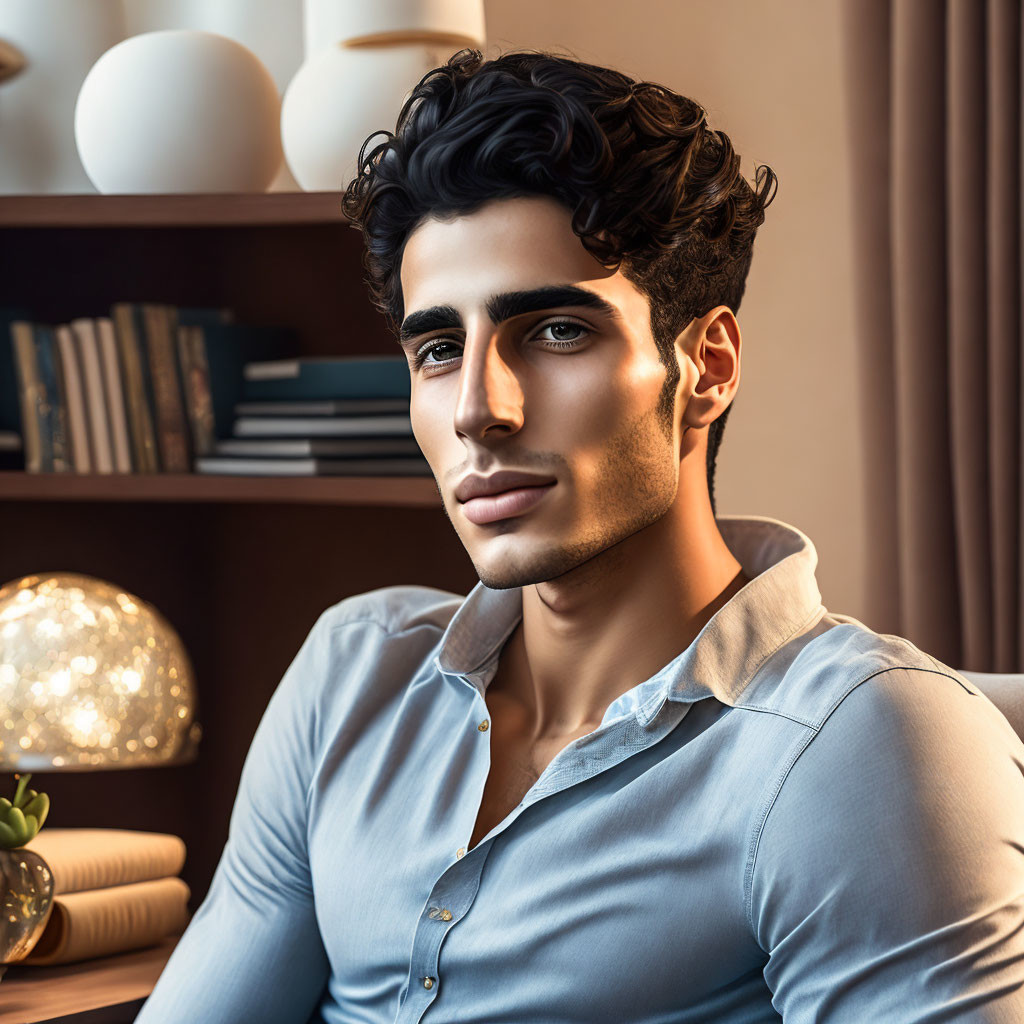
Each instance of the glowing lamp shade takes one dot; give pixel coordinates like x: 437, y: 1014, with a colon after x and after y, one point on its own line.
x: 91, y: 677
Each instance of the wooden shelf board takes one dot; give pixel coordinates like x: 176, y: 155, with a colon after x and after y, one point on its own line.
x: 189, y: 487
x: 172, y: 210
x: 41, y: 993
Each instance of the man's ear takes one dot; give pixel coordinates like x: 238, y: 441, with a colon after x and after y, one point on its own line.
x: 712, y: 345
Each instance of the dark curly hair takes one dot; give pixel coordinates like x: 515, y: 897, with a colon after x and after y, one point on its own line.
x: 651, y: 187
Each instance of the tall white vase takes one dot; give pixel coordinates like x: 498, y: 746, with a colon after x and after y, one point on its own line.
x: 341, y: 95
x: 460, y: 22
x: 61, y: 41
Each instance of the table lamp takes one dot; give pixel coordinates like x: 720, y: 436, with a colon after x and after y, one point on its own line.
x: 91, y: 677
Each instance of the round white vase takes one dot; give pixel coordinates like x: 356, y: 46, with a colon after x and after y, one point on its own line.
x: 272, y: 29
x: 179, y: 111
x: 343, y: 94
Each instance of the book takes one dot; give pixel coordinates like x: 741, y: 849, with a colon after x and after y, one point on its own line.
x: 113, y: 890
x: 341, y: 407
x: 101, y: 922
x: 323, y: 378
x: 10, y: 404
x: 195, y: 377
x: 138, y: 315
x: 131, y: 349
x: 327, y: 426
x: 29, y: 385
x: 94, y: 858
x: 310, y: 447
x: 52, y: 407
x: 74, y: 397
x: 96, y: 398
x: 114, y: 392
x: 314, y: 467
x: 216, y: 364
x: 52, y: 367
x: 194, y: 385
x: 173, y: 440
x: 155, y: 392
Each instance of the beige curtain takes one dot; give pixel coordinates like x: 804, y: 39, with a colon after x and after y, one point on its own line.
x: 933, y: 91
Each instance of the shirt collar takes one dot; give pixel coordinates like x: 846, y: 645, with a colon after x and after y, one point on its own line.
x: 781, y: 600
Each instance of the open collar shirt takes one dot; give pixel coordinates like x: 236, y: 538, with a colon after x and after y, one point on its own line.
x: 795, y: 819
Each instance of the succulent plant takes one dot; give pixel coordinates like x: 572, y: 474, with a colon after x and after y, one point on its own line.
x: 22, y: 819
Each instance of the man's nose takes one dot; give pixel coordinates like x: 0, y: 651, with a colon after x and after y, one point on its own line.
x: 490, y: 391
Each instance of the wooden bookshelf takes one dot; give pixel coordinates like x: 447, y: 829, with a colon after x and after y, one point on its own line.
x: 351, y: 490
x: 240, y: 566
x: 201, y: 210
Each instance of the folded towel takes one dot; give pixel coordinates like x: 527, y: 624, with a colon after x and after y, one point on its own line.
x: 99, y: 922
x: 94, y: 858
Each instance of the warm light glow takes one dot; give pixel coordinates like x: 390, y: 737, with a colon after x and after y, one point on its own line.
x: 131, y: 679
x: 84, y: 675
x: 60, y: 682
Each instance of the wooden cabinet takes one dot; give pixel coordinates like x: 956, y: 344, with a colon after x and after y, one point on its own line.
x: 242, y: 567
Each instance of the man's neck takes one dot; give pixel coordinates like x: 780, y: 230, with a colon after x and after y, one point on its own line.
x: 584, y: 642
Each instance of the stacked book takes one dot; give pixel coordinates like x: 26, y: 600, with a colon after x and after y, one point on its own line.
x: 146, y: 389
x: 114, y: 890
x: 321, y: 416
x: 155, y: 388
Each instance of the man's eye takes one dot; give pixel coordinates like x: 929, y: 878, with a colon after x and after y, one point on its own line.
x: 421, y: 357
x: 559, y: 324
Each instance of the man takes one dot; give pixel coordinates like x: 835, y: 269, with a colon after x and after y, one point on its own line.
x: 640, y: 773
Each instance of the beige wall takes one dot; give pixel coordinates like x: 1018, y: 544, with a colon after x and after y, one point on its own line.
x: 769, y: 75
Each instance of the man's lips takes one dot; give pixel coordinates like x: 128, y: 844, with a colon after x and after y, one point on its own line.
x: 515, y: 501
x: 474, y: 485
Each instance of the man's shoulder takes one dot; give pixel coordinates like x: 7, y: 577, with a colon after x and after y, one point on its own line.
x: 822, y: 669
x: 365, y: 649
x: 394, y: 609
x: 884, y: 727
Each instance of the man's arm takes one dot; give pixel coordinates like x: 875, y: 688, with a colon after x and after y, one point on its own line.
x: 888, y: 876
x: 252, y: 951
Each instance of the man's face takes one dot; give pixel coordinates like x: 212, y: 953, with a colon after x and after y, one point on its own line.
x: 561, y: 390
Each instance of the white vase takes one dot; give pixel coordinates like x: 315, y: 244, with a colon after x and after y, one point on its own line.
x: 341, y: 95
x: 176, y: 111
x: 272, y: 29
x: 460, y: 22
x: 60, y: 42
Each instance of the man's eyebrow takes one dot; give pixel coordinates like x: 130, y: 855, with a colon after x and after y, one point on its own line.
x: 505, y: 305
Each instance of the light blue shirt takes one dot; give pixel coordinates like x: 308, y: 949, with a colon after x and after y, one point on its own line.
x: 796, y: 818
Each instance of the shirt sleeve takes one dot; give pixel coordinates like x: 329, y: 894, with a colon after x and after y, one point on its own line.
x: 888, y: 876
x: 252, y: 951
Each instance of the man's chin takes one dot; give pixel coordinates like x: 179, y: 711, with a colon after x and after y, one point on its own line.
x: 504, y: 574
x: 504, y: 580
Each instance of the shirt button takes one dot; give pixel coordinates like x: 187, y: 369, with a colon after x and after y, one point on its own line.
x: 484, y: 725
x: 460, y: 852
x: 428, y: 982
x: 446, y: 915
